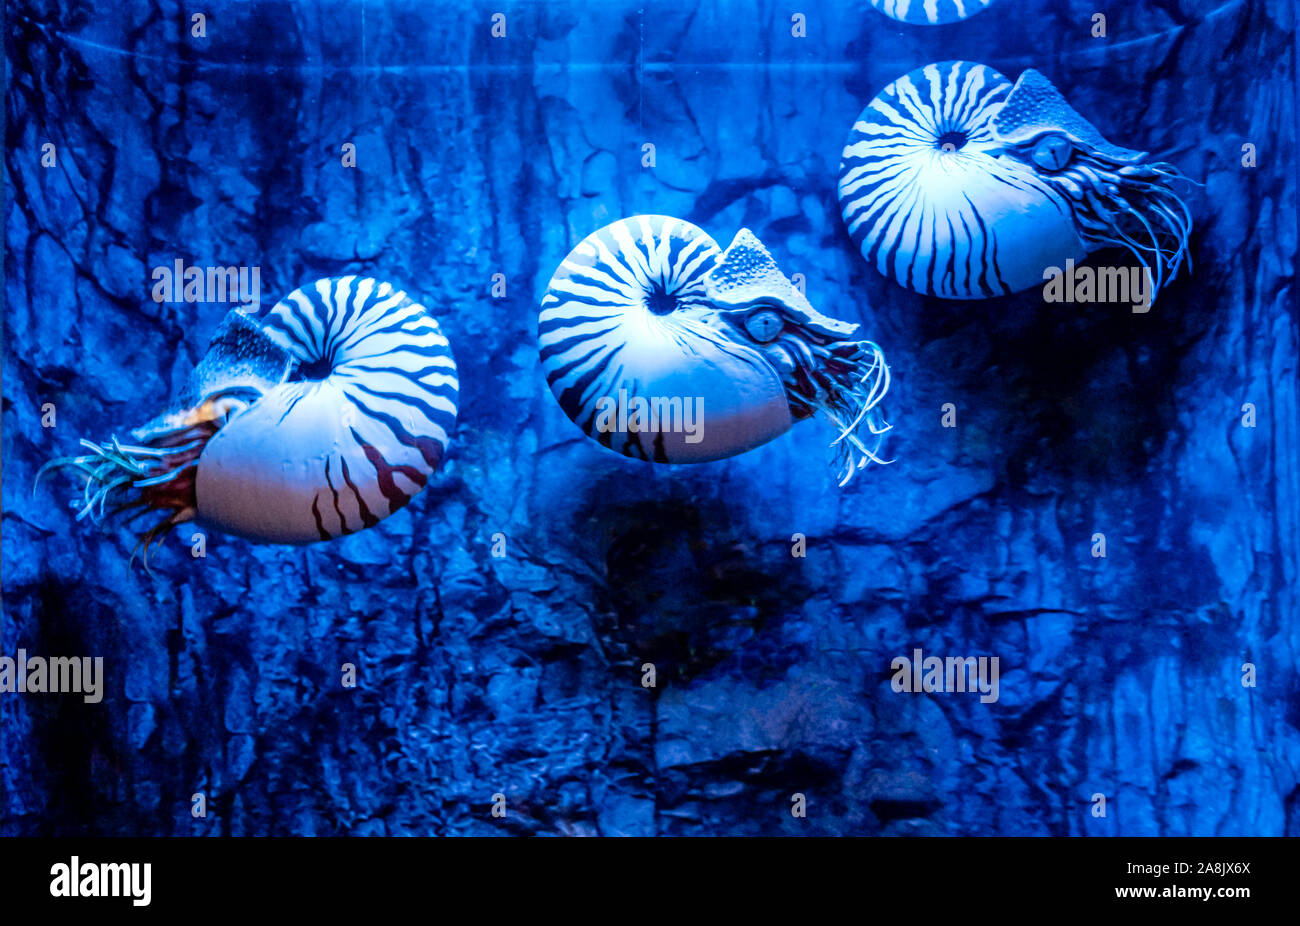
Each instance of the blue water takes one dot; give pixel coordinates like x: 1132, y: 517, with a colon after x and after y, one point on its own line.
x: 522, y: 674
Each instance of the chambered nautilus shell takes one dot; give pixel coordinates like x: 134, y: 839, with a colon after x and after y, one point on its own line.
x: 318, y: 418
x: 957, y: 183
x: 930, y: 12
x: 663, y: 347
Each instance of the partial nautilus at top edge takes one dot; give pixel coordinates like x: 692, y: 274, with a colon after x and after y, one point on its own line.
x: 317, y: 418
x: 648, y: 320
x: 930, y: 12
x: 957, y: 183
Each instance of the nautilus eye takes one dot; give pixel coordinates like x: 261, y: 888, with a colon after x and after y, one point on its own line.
x: 1036, y: 185
x: 763, y: 325
x: 930, y: 12
x: 662, y: 347
x: 1052, y: 152
x: 319, y: 418
x: 226, y: 407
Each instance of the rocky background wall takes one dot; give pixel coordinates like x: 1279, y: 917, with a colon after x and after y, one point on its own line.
x: 522, y: 674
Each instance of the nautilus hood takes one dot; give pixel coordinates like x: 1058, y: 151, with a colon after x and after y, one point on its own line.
x: 1035, y: 108
x: 747, y: 277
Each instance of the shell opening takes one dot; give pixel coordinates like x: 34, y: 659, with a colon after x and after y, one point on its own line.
x: 313, y: 371
x: 658, y: 299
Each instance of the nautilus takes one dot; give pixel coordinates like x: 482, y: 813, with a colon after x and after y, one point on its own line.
x: 317, y: 418
x: 663, y: 347
x: 930, y: 12
x: 957, y: 183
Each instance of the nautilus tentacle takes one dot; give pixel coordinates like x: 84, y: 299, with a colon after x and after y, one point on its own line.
x: 957, y: 183
x: 930, y: 12
x: 316, y: 419
x: 663, y: 347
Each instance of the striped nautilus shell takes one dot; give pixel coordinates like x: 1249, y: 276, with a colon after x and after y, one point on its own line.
x: 317, y: 418
x: 662, y: 347
x: 930, y: 12
x: 957, y: 183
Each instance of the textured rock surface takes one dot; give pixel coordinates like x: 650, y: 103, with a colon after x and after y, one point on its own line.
x: 521, y: 675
